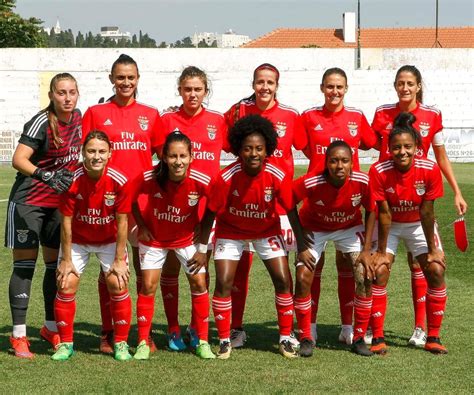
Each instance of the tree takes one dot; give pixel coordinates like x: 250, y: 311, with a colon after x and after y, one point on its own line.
x: 202, y: 44
x: 79, y: 40
x: 163, y: 45
x: 187, y: 42
x: 16, y: 31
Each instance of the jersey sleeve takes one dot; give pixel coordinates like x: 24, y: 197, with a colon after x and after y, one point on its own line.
x: 376, y: 185
x: 285, y: 194
x: 217, y: 196
x: 434, y: 187
x: 377, y: 123
x: 368, y: 200
x: 157, y: 136
x: 231, y: 115
x: 124, y: 199
x: 438, y: 124
x: 67, y: 203
x: 300, y: 138
x: 299, y: 189
x: 40, y: 135
x: 368, y: 136
x: 87, y: 123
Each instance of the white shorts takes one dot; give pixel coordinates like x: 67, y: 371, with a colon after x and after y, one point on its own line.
x: 345, y: 240
x: 153, y: 258
x: 266, y: 248
x: 412, y: 235
x: 80, y: 254
x: 287, y: 232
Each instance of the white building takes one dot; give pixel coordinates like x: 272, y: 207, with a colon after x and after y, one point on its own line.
x: 227, y: 40
x: 56, y: 28
x: 114, y: 33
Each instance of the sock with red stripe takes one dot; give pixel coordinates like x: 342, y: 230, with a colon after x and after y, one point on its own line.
x: 104, y: 301
x: 284, y: 307
x: 145, y: 311
x: 346, y: 293
x: 315, y: 293
x: 65, y: 311
x: 170, y: 293
x: 200, y: 308
x: 303, y: 316
x: 121, y: 306
x: 222, y: 308
x: 435, y: 307
x: 362, y: 310
x: 240, y: 289
x: 379, y: 308
x: 418, y: 291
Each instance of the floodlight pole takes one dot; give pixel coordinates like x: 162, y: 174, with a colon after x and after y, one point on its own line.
x: 437, y: 44
x: 358, y: 34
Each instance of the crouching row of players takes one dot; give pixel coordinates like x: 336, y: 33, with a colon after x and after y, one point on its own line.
x: 243, y: 203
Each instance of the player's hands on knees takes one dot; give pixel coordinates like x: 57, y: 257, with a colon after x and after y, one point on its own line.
x: 120, y: 269
x: 144, y: 234
x: 307, y: 259
x: 365, y: 258
x: 64, y: 269
x: 198, y: 261
x: 380, y: 259
x: 436, y: 256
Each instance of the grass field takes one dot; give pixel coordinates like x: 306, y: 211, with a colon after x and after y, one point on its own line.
x: 258, y: 368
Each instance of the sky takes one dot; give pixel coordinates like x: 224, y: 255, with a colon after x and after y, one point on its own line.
x: 171, y: 20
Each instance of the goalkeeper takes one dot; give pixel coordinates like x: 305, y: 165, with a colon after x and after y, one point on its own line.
x: 48, y: 147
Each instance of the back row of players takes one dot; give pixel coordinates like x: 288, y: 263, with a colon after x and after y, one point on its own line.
x: 94, y: 210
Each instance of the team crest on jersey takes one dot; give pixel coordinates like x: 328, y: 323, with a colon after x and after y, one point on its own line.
x: 109, y: 198
x: 193, y: 198
x: 280, y: 129
x: 356, y: 199
x: 22, y: 235
x: 268, y: 194
x: 211, y: 132
x: 424, y: 129
x: 143, y: 122
x: 352, y: 126
x: 420, y: 188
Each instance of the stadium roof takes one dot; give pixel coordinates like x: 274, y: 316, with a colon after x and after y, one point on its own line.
x: 448, y: 37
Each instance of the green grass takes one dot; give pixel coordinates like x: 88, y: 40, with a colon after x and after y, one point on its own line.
x: 258, y: 368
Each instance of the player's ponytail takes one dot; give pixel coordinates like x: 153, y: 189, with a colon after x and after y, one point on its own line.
x: 51, y: 111
x: 403, y: 123
x: 162, y: 170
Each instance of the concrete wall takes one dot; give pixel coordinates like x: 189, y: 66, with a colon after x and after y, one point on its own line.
x: 448, y: 80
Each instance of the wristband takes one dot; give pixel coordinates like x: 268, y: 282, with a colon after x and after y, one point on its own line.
x: 202, y: 248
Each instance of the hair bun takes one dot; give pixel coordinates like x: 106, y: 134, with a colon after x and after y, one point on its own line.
x: 404, y: 120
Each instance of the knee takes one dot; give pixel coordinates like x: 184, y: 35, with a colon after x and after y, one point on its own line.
x: 304, y: 279
x: 381, y: 275
x: 282, y: 284
x: 434, y: 274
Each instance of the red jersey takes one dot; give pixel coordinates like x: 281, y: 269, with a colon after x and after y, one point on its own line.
x: 323, y: 127
x: 245, y: 206
x: 327, y: 208
x: 171, y: 213
x: 93, y: 205
x: 133, y: 131
x: 428, y: 122
x: 287, y: 123
x: 404, y: 192
x: 207, y: 132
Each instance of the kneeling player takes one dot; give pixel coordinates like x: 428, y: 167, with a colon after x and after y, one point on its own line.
x: 94, y: 220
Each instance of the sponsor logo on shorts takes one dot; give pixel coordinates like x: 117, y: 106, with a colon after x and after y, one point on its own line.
x: 211, y: 132
x: 424, y: 129
x: 21, y: 296
x: 109, y: 198
x: 280, y: 129
x: 22, y: 235
x: 193, y: 198
x: 420, y: 188
x: 352, y: 126
x: 268, y: 194
x: 220, y: 248
x: 143, y: 122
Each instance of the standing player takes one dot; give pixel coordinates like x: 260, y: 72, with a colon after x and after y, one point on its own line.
x: 289, y: 128
x: 408, y: 85
x: 174, y: 192
x: 208, y: 134
x: 48, y: 148
x: 133, y: 130
x: 331, y: 211
x: 94, y: 221
x: 405, y: 188
x: 325, y: 124
x: 243, y: 201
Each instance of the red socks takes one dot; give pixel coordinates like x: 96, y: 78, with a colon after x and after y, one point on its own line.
x: 64, y: 312
x: 170, y: 294
x: 346, y: 293
x: 200, y: 311
x: 121, y: 306
x: 284, y: 307
x: 379, y: 308
x: 418, y: 291
x: 240, y: 288
x: 104, y: 301
x: 435, y: 306
x: 222, y: 308
x: 303, y: 316
x: 145, y: 310
x: 362, y: 309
